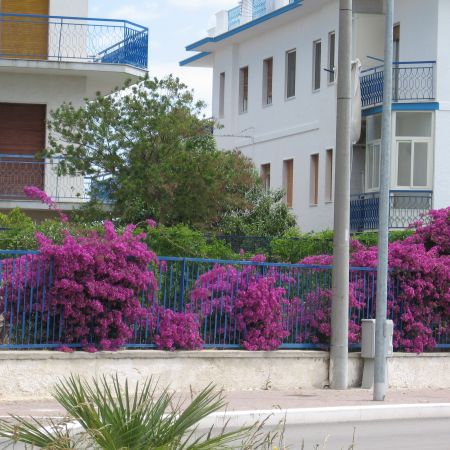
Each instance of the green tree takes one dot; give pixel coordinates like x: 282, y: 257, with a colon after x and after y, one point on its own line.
x: 148, y: 150
x: 266, y: 215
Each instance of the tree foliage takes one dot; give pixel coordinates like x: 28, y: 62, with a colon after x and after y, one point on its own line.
x: 151, y: 154
x: 266, y: 215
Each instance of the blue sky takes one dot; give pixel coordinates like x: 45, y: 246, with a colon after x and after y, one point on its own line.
x: 173, y: 24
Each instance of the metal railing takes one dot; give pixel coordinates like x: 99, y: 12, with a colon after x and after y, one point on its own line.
x: 234, y: 17
x: 18, y: 171
x: 412, y: 81
x: 73, y: 39
x: 406, y: 207
x: 28, y: 318
x: 248, y: 11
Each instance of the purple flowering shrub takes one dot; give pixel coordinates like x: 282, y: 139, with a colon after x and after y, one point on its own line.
x: 178, y: 330
x: 420, y: 271
x: 246, y: 301
x: 96, y: 286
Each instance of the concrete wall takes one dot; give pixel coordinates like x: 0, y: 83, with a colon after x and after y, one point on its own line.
x: 31, y: 374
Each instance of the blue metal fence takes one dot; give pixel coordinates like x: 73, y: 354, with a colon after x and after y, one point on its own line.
x: 27, y: 319
x: 73, y: 39
x: 412, y: 81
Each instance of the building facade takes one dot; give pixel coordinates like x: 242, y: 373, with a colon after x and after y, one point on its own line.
x: 274, y: 96
x: 51, y: 52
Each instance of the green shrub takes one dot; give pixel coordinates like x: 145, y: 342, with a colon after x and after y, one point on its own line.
x: 293, y: 246
x: 182, y: 241
x: 370, y: 238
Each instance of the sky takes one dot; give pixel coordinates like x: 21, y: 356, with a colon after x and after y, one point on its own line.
x: 172, y: 24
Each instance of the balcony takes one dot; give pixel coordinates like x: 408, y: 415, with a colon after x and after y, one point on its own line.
x: 249, y: 10
x: 412, y: 82
x: 18, y: 171
x: 73, y: 39
x: 406, y: 207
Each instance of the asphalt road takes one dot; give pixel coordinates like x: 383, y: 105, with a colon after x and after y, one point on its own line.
x: 426, y: 434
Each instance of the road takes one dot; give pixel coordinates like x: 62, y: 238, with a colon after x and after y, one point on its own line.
x: 425, y: 434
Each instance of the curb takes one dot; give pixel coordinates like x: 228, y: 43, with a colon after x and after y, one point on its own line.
x: 340, y: 414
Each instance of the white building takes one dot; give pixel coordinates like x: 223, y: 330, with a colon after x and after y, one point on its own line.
x: 274, y: 95
x: 50, y: 53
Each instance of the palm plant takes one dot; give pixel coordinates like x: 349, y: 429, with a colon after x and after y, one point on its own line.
x: 102, y: 415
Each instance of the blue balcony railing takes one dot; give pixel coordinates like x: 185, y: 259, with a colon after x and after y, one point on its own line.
x: 406, y: 207
x: 254, y: 9
x: 234, y: 17
x: 18, y: 171
x: 412, y: 81
x: 73, y: 39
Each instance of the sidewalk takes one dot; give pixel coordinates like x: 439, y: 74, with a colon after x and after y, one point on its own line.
x: 271, y: 400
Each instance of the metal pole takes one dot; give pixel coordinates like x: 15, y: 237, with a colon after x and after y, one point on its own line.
x: 340, y: 302
x: 383, y: 228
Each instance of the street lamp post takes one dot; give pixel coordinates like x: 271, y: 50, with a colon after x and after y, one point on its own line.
x: 341, y: 258
x: 383, y: 228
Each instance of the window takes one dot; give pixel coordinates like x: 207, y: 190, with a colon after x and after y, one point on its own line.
x: 331, y: 57
x: 416, y: 124
x: 267, y: 81
x: 314, y: 180
x: 243, y: 90
x: 317, y: 64
x: 265, y: 176
x: 288, y: 181
x: 412, y: 164
x: 413, y: 132
x: 373, y: 166
x: 291, y: 63
x: 329, y: 176
x: 222, y: 95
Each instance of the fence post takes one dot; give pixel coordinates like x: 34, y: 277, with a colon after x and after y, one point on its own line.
x: 183, y: 269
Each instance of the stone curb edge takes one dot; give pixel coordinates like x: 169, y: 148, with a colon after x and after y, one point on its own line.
x: 340, y: 414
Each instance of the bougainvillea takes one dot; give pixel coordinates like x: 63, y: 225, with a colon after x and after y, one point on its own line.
x: 244, y: 301
x: 95, y: 288
x: 178, y: 331
x: 34, y: 193
x: 420, y: 275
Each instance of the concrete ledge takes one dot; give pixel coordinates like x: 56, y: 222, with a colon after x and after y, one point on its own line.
x: 309, y: 416
x: 32, y: 374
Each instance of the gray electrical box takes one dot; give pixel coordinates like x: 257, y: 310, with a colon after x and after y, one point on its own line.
x: 368, y: 337
x: 368, y: 347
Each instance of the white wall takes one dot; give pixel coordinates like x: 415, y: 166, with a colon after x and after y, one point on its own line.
x: 418, y: 29
x: 368, y: 38
x: 75, y: 8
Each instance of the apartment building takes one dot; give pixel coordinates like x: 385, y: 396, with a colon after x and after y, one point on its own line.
x: 274, y: 96
x: 52, y: 52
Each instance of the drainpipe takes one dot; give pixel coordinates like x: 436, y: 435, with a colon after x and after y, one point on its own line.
x: 340, y: 301
x: 380, y: 382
